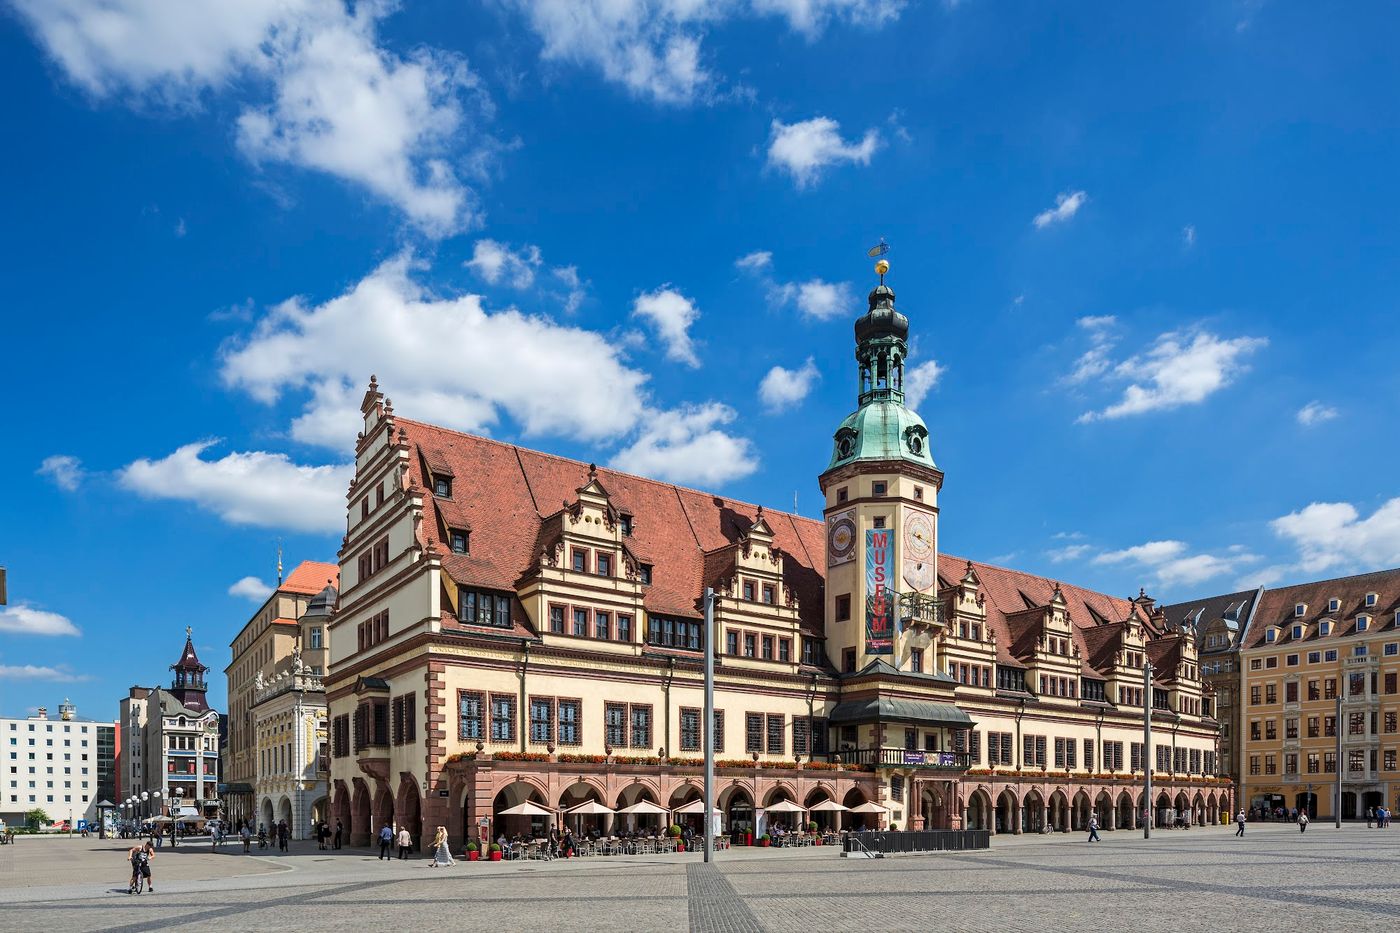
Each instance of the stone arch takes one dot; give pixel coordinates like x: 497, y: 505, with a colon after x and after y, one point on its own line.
x: 818, y: 792
x: 736, y: 803
x: 1079, y: 809
x: 383, y: 808
x: 515, y: 792
x: 935, y: 806
x: 340, y: 805
x: 1103, y: 809
x: 361, y: 820
x: 410, y: 809
x: 683, y: 794
x: 780, y: 790
x: 1033, y: 812
x: 1198, y: 809
x: 978, y: 812
x: 320, y: 810
x: 284, y: 812
x: 583, y: 787
x: 1127, y: 811
x: 1162, y: 809
x: 267, y: 816
x: 1008, y: 809
x: 1057, y: 812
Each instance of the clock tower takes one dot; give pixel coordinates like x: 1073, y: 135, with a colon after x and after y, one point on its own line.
x: 881, y: 490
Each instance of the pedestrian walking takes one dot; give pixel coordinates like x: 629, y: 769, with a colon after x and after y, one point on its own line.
x: 405, y: 842
x: 283, y: 833
x: 1303, y: 821
x: 1094, y: 829
x: 247, y: 836
x: 1370, y: 817
x: 386, y: 839
x: 339, y: 830
x: 441, y: 854
x: 1239, y: 823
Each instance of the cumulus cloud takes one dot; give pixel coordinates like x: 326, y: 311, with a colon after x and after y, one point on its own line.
x: 22, y: 619
x: 1067, y: 204
x: 446, y: 359
x: 1170, y: 563
x: 54, y: 674
x: 495, y: 262
x: 1179, y: 368
x: 686, y: 446
x: 246, y: 488
x: 653, y: 47
x: 815, y: 298
x: 251, y: 589
x: 670, y: 314
x: 1310, y: 414
x: 65, y: 471
x: 920, y: 380
x: 319, y: 89
x: 783, y: 388
x: 807, y: 149
x: 1333, y: 535
x: 1069, y: 552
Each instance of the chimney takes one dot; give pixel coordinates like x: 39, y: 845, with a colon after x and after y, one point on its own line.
x: 43, y: 713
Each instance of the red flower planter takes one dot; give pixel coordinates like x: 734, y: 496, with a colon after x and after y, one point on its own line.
x: 763, y: 843
x: 473, y: 856
x: 680, y: 847
x: 495, y: 856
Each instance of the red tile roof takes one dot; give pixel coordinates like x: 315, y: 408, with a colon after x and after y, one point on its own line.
x: 1276, y: 606
x: 506, y: 496
x: 311, y: 577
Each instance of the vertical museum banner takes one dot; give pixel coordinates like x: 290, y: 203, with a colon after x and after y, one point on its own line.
x: 879, y: 601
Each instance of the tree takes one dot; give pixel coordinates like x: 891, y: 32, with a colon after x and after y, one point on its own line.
x: 36, y: 818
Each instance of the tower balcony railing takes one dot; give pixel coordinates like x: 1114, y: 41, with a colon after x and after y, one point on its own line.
x: 918, y: 609
x: 886, y: 757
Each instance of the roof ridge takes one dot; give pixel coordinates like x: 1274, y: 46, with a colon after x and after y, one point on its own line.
x: 650, y: 480
x: 1350, y: 576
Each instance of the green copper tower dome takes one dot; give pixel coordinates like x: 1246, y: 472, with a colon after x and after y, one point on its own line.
x: 882, y: 428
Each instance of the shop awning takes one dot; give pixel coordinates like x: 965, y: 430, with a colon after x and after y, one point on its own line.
x: 887, y: 709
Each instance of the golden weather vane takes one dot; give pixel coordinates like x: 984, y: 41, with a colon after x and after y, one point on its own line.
x: 878, y: 252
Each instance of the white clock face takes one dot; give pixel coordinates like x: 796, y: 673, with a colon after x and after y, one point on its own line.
x: 918, y: 537
x: 841, y: 538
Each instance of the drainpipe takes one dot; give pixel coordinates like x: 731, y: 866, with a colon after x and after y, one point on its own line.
x: 670, y: 676
x: 524, y: 713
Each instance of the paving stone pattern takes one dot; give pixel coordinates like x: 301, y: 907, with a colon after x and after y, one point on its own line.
x: 1203, y: 879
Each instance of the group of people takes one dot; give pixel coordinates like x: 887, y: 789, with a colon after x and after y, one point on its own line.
x: 403, y: 839
x: 1378, y: 817
x: 321, y: 832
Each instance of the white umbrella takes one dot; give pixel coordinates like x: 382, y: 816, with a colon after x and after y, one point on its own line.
x: 644, y: 806
x: 785, y: 806
x: 827, y: 806
x: 870, y: 808
x: 695, y: 806
x: 527, y: 809
x: 590, y: 808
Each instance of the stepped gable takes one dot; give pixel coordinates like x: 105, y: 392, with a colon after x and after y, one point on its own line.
x: 503, y: 495
x: 1276, y: 606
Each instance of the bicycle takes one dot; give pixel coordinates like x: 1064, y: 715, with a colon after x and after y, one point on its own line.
x: 138, y: 882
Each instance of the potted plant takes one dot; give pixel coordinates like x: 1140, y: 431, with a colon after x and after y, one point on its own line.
x: 674, y: 831
x: 473, y: 852
x: 764, y: 840
x: 495, y: 851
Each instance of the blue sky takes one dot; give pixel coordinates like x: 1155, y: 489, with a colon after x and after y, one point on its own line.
x: 1147, y: 252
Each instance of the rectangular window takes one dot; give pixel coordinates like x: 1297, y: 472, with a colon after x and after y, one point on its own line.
x: 602, y: 625
x: 624, y: 627
x: 916, y: 660
x: 690, y: 729
x: 785, y: 649
x: 603, y: 563
x: 877, y: 489
x: 1356, y: 724
x: 502, y: 717
x: 767, y: 647
x: 1290, y: 692
x: 1089, y: 762
x: 1329, y: 688
x: 615, y: 724
x: 776, y: 743
x: 770, y: 594
x: 843, y: 607
x: 641, y: 726
x: 748, y: 590
x: 753, y: 732
x: 719, y: 730
x: 848, y: 660
x: 570, y: 721
x: 556, y: 619
x: 1060, y: 752
x: 581, y: 623
x: 731, y: 643
x: 541, y: 720
x: 801, y: 735
x: 458, y: 541
x: 580, y: 560
x: 750, y: 645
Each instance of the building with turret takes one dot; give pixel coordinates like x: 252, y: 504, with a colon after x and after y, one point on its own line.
x: 170, y: 745
x: 518, y: 633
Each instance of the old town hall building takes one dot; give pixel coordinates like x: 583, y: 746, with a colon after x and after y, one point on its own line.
x: 517, y: 627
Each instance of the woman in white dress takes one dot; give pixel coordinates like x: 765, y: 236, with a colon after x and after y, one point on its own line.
x: 441, y: 855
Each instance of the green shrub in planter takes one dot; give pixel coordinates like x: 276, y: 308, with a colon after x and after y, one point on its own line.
x: 473, y: 847
x: 675, y: 830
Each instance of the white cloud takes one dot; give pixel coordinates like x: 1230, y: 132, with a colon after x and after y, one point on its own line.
x: 1180, y: 368
x: 22, y: 619
x: 1315, y: 413
x: 670, y: 313
x: 1095, y: 361
x: 919, y: 381
x: 782, y: 388
x: 1068, y: 553
x: 653, y: 47
x: 1067, y: 204
x: 319, y: 90
x: 1332, y: 535
x: 447, y: 360
x: 1188, y: 235
x: 251, y: 589
x: 686, y: 446
x: 814, y: 298
x: 59, y: 674
x: 247, y: 488
x: 1169, y: 563
x: 805, y: 150
x: 65, y: 471
x: 577, y: 288
x: 495, y: 262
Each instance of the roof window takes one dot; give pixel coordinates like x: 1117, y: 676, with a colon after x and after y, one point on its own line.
x: 1362, y: 622
x: 1334, y: 604
x: 1371, y: 599
x: 1299, y: 609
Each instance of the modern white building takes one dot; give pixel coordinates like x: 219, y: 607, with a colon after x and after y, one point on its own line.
x: 170, y: 743
x: 55, y: 765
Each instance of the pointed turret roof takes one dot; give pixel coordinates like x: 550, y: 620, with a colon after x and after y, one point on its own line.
x: 189, y: 661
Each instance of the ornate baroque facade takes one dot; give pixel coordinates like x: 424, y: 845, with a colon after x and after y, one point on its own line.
x: 515, y: 626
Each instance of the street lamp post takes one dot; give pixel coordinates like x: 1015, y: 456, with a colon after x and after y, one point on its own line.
x: 1337, y: 804
x: 1147, y: 750
x: 145, y: 803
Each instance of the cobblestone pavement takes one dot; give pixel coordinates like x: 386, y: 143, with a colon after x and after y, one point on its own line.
x: 1201, y: 879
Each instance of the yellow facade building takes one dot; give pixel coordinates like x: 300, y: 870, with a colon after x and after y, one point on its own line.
x: 517, y: 627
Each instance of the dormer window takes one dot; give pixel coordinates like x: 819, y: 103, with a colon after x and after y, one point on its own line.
x: 1299, y: 609
x: 1371, y: 599
x: 1362, y: 622
x: 1297, y: 631
x: 626, y: 526
x: 646, y: 573
x: 442, y: 487
x: 1334, y: 604
x: 1324, y: 628
x: 1271, y: 635
x: 458, y: 541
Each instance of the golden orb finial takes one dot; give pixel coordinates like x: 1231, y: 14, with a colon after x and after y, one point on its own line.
x: 882, y: 267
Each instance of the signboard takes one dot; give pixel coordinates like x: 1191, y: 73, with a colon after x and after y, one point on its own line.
x: 913, y: 758
x: 879, y: 601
